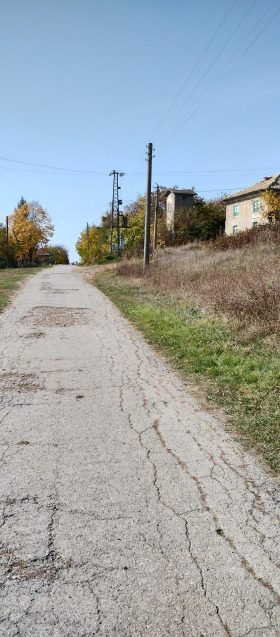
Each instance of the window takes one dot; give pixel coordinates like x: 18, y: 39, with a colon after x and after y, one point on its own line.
x: 234, y: 230
x: 256, y: 205
x: 236, y: 210
x: 255, y: 224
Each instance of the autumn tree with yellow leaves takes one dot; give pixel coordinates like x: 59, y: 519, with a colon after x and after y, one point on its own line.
x: 270, y: 206
x: 90, y: 245
x: 30, y: 228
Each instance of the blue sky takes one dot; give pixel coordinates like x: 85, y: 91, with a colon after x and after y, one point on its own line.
x: 86, y: 84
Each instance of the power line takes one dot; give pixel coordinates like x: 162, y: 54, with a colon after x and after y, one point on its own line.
x: 185, y: 120
x: 194, y: 69
x: 222, y: 189
x: 212, y: 63
x: 61, y: 174
x: 139, y: 174
x: 72, y: 170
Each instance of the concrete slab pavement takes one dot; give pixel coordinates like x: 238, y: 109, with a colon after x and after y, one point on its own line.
x: 126, y: 509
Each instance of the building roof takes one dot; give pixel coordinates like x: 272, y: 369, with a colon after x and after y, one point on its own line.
x: 266, y: 182
x: 40, y: 252
x: 190, y: 191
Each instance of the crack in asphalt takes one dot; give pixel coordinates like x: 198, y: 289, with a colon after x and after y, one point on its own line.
x: 154, y: 407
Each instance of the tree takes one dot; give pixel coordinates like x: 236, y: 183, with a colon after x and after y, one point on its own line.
x: 134, y: 235
x: 21, y: 202
x: 12, y: 261
x: 3, y: 247
x: 30, y: 227
x: 89, y: 245
x: 206, y: 220
x: 58, y: 254
x: 270, y: 206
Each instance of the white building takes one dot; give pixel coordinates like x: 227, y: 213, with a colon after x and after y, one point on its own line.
x: 177, y: 200
x: 244, y: 208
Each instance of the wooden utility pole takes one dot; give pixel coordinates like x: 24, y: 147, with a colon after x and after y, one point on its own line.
x: 156, y: 219
x: 87, y: 242
x: 7, y: 241
x: 148, y: 208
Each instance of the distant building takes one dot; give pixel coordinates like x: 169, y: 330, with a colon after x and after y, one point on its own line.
x: 244, y: 208
x: 177, y: 200
x: 42, y: 256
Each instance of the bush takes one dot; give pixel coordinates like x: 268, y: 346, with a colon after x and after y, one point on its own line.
x: 267, y: 233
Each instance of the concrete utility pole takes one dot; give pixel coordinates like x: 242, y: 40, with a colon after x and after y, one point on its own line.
x: 156, y: 219
x: 148, y: 207
x: 115, y: 210
x: 112, y: 225
x: 7, y: 241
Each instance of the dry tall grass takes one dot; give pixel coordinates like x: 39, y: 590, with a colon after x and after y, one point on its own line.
x: 244, y: 282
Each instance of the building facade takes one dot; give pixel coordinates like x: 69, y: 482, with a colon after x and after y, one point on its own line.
x: 177, y: 200
x: 245, y: 208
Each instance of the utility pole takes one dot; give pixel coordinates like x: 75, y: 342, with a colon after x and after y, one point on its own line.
x: 148, y: 207
x: 87, y: 241
x: 115, y: 209
x: 112, y: 224
x: 119, y: 202
x: 7, y: 241
x: 156, y: 219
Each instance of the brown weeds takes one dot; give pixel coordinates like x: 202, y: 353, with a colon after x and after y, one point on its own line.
x: 244, y: 282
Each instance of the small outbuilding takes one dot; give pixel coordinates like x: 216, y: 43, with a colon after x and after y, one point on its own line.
x: 177, y: 200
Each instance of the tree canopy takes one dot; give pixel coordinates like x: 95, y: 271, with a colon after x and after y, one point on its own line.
x: 30, y: 228
x: 206, y: 220
x: 270, y: 206
x: 57, y: 254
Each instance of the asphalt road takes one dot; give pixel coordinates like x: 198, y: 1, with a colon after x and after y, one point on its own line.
x: 126, y: 509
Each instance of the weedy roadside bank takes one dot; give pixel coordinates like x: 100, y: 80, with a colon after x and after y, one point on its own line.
x: 10, y: 281
x: 236, y: 365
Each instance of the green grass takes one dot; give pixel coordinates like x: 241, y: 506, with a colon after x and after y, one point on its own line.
x: 238, y: 374
x: 10, y: 281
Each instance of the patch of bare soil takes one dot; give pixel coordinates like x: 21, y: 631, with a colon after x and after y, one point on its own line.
x: 35, y: 335
x: 64, y: 291
x: 58, y: 316
x: 14, y: 381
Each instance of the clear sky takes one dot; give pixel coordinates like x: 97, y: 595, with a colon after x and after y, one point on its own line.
x: 86, y: 84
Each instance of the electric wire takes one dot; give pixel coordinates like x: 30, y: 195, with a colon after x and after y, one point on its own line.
x: 193, y: 70
x: 212, y: 63
x: 186, y: 120
x: 72, y: 170
x: 197, y: 64
x: 137, y: 174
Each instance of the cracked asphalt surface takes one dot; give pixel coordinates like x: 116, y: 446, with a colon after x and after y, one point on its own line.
x: 125, y: 508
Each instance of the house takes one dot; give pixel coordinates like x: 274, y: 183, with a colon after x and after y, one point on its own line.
x: 244, y: 208
x: 177, y: 200
x: 41, y: 256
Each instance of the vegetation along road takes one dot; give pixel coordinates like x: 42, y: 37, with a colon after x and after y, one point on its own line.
x: 126, y: 508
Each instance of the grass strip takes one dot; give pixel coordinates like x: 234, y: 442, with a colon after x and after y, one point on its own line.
x: 10, y: 281
x: 241, y: 376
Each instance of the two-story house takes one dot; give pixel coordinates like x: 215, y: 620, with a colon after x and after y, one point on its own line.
x: 244, y: 208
